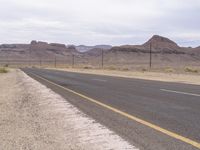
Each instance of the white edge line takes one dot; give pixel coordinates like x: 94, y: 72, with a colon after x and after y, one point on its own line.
x: 101, y: 80
x: 179, y: 92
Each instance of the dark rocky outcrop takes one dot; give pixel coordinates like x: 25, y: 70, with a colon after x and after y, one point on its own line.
x: 158, y: 44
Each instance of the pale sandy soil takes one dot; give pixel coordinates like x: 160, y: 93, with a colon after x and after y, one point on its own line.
x: 34, y: 117
x: 147, y: 75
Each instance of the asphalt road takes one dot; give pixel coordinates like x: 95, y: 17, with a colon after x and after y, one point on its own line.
x: 172, y: 106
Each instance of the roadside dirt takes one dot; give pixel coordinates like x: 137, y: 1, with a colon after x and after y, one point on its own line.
x: 34, y: 117
x: 147, y: 75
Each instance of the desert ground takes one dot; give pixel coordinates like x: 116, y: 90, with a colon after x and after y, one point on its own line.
x: 34, y: 117
x: 159, y: 75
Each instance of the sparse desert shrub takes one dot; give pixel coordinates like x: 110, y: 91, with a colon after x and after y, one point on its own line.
x: 3, y: 70
x: 168, y: 69
x: 87, y: 67
x: 67, y: 66
x: 144, y: 69
x: 112, y: 68
x: 125, y: 69
x: 187, y: 69
x: 6, y: 65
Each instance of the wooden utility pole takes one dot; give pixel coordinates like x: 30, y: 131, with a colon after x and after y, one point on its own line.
x: 55, y: 65
x: 102, y: 58
x: 72, y: 60
x: 150, y: 55
x: 40, y: 63
x: 29, y: 61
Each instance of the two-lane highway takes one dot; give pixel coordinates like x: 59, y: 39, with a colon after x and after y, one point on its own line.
x: 168, y: 113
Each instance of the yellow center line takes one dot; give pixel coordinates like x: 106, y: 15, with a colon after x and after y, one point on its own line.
x: 155, y: 127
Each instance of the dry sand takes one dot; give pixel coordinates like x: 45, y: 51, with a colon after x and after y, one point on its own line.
x: 34, y: 117
x: 147, y: 75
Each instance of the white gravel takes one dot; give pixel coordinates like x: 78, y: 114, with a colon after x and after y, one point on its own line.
x: 34, y: 117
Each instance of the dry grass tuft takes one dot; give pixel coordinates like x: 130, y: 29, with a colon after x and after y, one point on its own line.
x: 191, y: 70
x: 124, y: 69
x: 3, y: 70
x: 87, y: 67
x: 111, y: 68
x: 143, y: 69
x: 168, y: 70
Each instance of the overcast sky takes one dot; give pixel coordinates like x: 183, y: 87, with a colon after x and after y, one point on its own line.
x: 92, y: 22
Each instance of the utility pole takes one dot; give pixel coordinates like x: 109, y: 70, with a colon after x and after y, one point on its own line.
x: 72, y: 60
x: 29, y: 61
x: 40, y: 63
x: 102, y: 58
x: 55, y: 62
x: 150, y: 59
x: 7, y: 64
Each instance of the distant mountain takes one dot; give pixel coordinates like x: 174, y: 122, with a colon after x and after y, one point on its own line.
x: 83, y: 48
x: 35, y: 50
x: 43, y: 49
x: 198, y: 47
x: 197, y: 50
x: 164, y: 52
x: 14, y: 46
x: 95, y: 52
x: 13, y: 50
x: 158, y: 44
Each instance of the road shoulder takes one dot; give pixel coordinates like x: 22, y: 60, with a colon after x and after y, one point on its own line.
x: 34, y: 117
x: 155, y: 76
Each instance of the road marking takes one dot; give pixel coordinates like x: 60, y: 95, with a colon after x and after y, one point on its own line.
x: 153, y: 126
x: 179, y: 92
x: 101, y: 80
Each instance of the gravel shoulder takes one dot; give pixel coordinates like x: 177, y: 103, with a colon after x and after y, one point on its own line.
x: 34, y: 117
x: 147, y: 75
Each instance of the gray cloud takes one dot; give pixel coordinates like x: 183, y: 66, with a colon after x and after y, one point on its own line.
x: 93, y: 22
